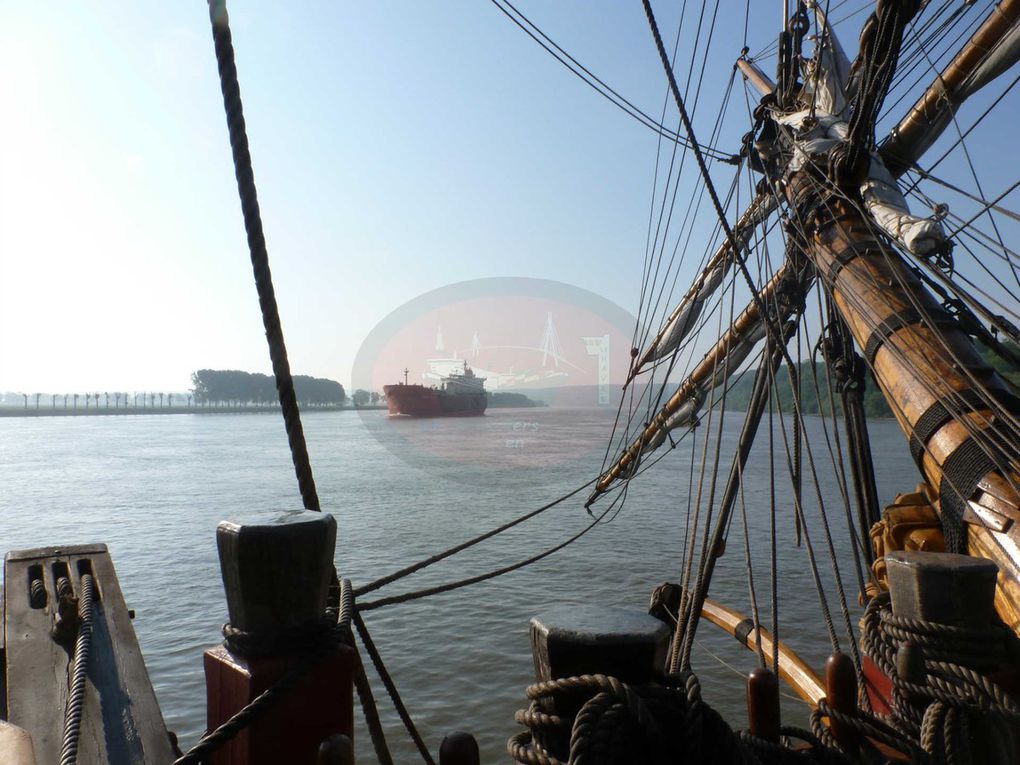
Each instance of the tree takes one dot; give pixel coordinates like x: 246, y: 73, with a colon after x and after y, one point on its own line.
x: 53, y: 400
x: 361, y: 397
x: 213, y: 386
x: 116, y: 401
x: 96, y: 397
x: 87, y: 397
x: 25, y: 395
x: 37, y: 395
x: 160, y: 400
x: 375, y: 397
x: 107, y: 394
x: 189, y: 400
x: 152, y: 401
x: 65, y: 401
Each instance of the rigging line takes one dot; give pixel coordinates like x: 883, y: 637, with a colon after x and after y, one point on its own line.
x: 977, y: 181
x: 755, y: 614
x: 985, y: 208
x: 992, y: 427
x: 416, y: 567
x: 438, y: 589
x: 259, y: 253
x: 897, y: 268
x: 913, y: 59
x: 743, y: 674
x: 691, y: 216
x: 976, y: 122
x: 774, y: 567
x: 655, y: 181
x: 973, y: 197
x: 715, y: 134
x: 737, y: 251
x: 681, y: 650
x: 595, y: 82
x: 838, y: 460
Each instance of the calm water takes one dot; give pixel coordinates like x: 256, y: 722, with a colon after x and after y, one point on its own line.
x: 154, y: 488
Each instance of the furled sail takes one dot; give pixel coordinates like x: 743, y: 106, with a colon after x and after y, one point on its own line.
x: 684, y: 317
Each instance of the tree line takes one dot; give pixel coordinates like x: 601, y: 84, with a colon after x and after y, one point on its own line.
x: 236, y: 388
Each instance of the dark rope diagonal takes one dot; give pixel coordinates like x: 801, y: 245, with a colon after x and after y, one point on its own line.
x: 417, y: 594
x: 391, y: 687
x: 231, y: 90
x: 425, y: 563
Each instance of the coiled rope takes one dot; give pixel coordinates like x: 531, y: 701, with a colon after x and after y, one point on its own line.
x: 600, y: 720
x: 79, y: 673
x: 319, y: 640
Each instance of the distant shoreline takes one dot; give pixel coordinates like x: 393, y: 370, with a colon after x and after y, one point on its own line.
x: 114, y: 412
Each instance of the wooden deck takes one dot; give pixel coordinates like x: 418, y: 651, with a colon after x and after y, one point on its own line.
x: 122, y: 723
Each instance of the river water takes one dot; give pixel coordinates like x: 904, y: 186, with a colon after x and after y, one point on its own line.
x: 154, y: 488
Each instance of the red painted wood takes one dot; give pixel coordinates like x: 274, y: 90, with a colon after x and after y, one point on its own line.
x: 321, y: 705
x: 878, y: 687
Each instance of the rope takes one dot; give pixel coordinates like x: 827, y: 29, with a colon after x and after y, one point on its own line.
x: 330, y: 641
x: 599, y: 719
x: 259, y: 255
x: 932, y: 716
x: 76, y: 697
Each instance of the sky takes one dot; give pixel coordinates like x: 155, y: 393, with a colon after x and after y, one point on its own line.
x: 398, y: 147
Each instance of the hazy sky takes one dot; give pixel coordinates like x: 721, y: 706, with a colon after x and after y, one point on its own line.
x: 398, y: 147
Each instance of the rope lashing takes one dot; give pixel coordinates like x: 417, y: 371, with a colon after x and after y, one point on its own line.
x: 881, y: 40
x: 599, y: 719
x: 245, y: 176
x: 79, y: 673
x: 330, y: 640
x: 932, y: 714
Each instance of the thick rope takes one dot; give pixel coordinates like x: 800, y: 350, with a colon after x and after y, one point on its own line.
x: 76, y: 697
x: 259, y: 255
x: 340, y: 635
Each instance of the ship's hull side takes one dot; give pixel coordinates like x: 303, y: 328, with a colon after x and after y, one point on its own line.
x: 419, y: 401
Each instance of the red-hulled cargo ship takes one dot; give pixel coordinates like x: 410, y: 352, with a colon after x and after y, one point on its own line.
x: 461, y: 395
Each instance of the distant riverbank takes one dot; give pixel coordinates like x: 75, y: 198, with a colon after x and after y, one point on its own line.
x: 113, y: 412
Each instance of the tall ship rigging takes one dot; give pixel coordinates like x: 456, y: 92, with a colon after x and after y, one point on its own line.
x: 834, y: 269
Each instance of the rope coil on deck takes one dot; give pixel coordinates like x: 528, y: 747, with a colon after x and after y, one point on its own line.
x: 951, y: 711
x: 601, y: 720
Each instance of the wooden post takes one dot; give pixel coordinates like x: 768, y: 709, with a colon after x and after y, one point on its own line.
x: 276, y: 576
x: 459, y: 748
x: 629, y: 645
x: 958, y: 590
x: 336, y: 750
x: 763, y: 704
x: 841, y: 695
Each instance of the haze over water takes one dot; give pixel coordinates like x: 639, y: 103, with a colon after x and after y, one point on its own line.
x: 154, y: 488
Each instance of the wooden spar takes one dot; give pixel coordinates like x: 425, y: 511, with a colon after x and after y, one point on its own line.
x: 759, y: 209
x: 794, y: 670
x: 746, y: 322
x: 918, y: 365
x: 756, y: 77
x: 930, y: 116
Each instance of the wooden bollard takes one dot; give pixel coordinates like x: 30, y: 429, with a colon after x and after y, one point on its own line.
x: 336, y: 750
x: 763, y: 718
x: 958, y: 590
x: 276, y: 577
x: 459, y: 748
x: 627, y: 644
x: 841, y: 695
